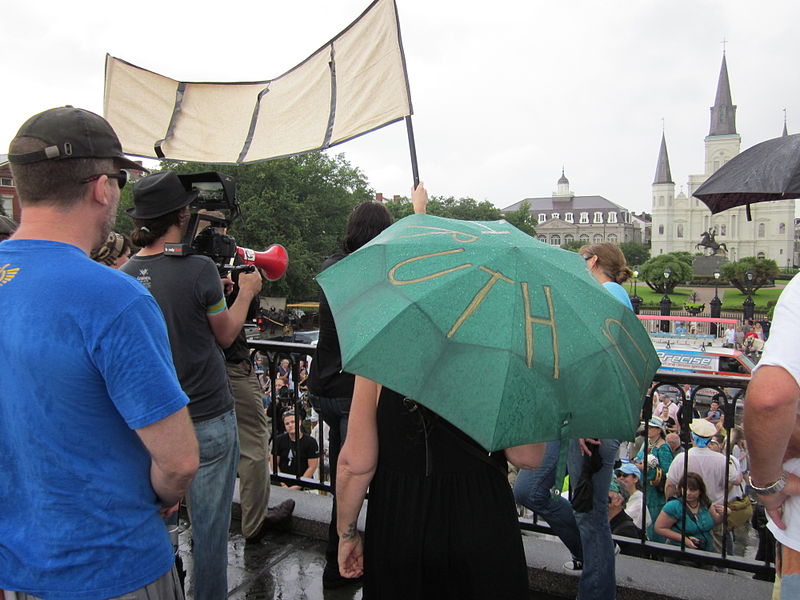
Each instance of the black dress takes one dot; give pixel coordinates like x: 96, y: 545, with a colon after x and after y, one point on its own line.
x: 441, y: 519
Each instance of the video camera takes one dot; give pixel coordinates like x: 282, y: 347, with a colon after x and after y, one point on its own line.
x: 217, y: 192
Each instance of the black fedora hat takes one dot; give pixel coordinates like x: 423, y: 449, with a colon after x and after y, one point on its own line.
x: 159, y: 194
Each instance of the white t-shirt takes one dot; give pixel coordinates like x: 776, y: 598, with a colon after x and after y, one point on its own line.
x: 634, y: 509
x: 781, y: 350
x: 710, y: 466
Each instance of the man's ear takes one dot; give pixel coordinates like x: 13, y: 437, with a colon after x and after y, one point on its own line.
x: 98, y: 190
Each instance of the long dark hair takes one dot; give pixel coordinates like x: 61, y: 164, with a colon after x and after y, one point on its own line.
x: 695, y: 482
x: 366, y: 221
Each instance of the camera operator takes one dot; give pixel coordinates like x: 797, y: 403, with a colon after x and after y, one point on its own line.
x: 190, y: 293
x: 251, y: 422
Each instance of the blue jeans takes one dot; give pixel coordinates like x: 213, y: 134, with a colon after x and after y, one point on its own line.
x: 598, y: 578
x: 533, y: 490
x: 335, y: 412
x: 210, y: 498
x: 586, y: 535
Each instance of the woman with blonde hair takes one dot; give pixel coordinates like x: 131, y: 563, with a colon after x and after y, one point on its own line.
x: 608, y: 265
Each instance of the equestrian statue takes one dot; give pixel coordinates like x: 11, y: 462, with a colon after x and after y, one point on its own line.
x: 708, y: 241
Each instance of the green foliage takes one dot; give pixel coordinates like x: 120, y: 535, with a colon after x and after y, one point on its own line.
x: 522, y: 218
x: 301, y: 202
x: 764, y: 270
x: 652, y: 272
x: 465, y: 209
x: 635, y: 253
x: 573, y: 246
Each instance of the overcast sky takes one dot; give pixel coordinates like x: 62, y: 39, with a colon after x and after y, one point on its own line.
x: 504, y: 92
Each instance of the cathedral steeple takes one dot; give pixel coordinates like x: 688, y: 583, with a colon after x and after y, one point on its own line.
x: 723, y: 113
x: 663, y: 174
x: 785, y: 129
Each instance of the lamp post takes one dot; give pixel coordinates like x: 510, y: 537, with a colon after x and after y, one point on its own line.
x: 716, y: 303
x: 666, y: 303
x: 636, y: 302
x: 748, y: 305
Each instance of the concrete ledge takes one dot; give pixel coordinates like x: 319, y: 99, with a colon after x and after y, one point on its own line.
x: 637, y: 579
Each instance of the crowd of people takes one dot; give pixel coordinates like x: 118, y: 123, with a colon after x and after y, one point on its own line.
x: 159, y: 400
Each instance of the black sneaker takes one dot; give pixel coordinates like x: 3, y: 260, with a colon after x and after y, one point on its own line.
x: 574, y: 565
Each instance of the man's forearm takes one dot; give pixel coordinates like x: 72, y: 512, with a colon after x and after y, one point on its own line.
x: 169, y: 487
x: 769, y: 421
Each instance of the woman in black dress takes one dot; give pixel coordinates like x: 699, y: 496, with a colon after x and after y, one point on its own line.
x: 441, y: 521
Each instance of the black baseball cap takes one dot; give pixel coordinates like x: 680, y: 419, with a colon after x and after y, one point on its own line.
x: 71, y: 133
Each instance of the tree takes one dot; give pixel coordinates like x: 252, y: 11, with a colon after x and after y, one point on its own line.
x: 764, y: 270
x: 653, y: 272
x: 573, y: 246
x: 301, y: 202
x: 635, y: 253
x: 466, y: 209
x: 522, y: 218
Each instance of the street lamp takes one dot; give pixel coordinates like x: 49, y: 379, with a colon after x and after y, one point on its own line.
x: 666, y: 303
x: 715, y: 304
x: 748, y: 305
x: 636, y: 302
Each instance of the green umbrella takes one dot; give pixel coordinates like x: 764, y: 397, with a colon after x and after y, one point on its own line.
x: 508, y: 338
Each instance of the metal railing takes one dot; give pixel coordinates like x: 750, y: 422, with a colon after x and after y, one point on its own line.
x: 728, y: 389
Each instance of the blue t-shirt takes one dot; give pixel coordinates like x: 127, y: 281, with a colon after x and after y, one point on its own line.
x: 619, y: 293
x: 85, y: 361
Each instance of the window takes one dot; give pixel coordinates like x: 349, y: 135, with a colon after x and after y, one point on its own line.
x: 584, y: 239
x: 584, y: 217
x: 598, y: 217
x: 660, y: 230
x: 781, y: 228
x: 612, y: 217
x: 6, y: 181
x: 761, y: 255
x: 568, y: 238
x: 542, y: 238
x: 597, y: 239
x: 542, y: 217
x: 723, y: 230
x: 612, y: 237
x: 761, y: 230
x: 555, y: 240
x: 569, y: 217
x: 679, y: 231
x: 554, y: 215
x: 733, y: 225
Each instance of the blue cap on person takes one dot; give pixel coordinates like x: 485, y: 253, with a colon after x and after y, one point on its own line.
x: 629, y: 469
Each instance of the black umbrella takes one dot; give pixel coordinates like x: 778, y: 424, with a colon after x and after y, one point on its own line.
x: 767, y: 171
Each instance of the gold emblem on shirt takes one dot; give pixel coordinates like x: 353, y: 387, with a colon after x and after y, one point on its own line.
x: 7, y: 274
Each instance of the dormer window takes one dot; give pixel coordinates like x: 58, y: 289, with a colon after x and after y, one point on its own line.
x: 598, y: 217
x: 584, y: 217
x: 542, y: 217
x: 568, y: 217
x: 554, y: 215
x: 612, y: 217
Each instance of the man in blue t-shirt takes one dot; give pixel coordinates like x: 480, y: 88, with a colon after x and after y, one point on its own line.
x: 96, y: 448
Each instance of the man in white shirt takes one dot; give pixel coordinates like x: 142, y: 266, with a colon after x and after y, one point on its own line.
x: 773, y: 436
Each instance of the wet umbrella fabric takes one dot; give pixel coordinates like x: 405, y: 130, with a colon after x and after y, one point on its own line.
x: 767, y: 171
x: 508, y: 338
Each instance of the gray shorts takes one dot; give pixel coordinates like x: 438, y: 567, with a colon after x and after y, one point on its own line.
x: 166, y: 587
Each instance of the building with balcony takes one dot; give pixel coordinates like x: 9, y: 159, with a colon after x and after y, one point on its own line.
x: 564, y: 217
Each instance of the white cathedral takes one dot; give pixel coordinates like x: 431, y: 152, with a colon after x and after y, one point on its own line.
x: 680, y: 221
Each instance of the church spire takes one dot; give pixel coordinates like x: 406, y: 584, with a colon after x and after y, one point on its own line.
x: 785, y: 129
x: 723, y: 113
x: 663, y: 174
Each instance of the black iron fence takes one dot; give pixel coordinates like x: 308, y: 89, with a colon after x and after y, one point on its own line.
x: 689, y: 389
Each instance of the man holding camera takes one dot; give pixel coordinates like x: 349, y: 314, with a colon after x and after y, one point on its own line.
x: 190, y: 293
x: 96, y: 448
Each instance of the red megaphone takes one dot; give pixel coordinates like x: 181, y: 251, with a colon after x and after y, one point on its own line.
x: 272, y: 261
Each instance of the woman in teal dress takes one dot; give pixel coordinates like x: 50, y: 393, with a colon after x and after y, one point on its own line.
x: 701, y: 517
x: 659, y: 461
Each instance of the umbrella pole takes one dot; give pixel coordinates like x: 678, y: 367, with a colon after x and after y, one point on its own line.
x: 413, y: 149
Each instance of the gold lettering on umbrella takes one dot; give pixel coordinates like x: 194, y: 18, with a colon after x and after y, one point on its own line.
x: 393, y: 270
x: 607, y: 333
x: 458, y: 236
x: 530, y: 320
x: 479, y: 298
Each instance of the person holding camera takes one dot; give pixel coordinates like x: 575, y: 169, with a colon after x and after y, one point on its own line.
x: 700, y: 519
x: 190, y: 293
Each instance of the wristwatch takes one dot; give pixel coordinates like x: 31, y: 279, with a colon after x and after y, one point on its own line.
x: 776, y: 487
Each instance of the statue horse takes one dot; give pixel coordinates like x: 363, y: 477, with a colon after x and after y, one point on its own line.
x: 707, y: 241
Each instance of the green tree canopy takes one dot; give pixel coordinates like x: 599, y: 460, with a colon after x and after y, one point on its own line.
x: 764, y: 271
x: 653, y: 272
x: 573, y: 246
x: 635, y: 253
x: 522, y: 218
x: 466, y: 209
x: 301, y: 202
